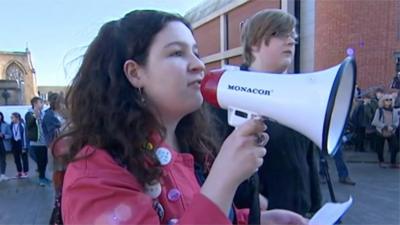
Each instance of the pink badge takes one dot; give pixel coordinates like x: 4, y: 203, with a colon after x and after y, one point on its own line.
x: 174, y: 194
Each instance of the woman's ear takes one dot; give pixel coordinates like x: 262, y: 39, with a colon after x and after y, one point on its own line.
x: 255, y: 48
x: 131, y: 69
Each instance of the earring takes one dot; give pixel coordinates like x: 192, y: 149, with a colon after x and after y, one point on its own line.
x: 142, y: 100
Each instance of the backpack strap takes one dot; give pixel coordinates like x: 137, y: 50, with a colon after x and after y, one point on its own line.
x: 380, y: 113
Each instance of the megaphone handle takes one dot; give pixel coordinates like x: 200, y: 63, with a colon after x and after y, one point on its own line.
x: 325, y: 171
x: 235, y: 118
x: 254, y: 214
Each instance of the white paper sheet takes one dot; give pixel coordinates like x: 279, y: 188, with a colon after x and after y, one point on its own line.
x: 330, y: 213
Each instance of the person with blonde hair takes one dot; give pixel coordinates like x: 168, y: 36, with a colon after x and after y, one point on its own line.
x: 289, y: 175
x: 386, y: 121
x: 53, y: 118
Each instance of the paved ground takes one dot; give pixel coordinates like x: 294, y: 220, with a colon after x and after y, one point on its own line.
x: 23, y: 201
x: 376, y: 194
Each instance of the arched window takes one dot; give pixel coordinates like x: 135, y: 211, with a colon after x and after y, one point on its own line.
x: 14, y: 72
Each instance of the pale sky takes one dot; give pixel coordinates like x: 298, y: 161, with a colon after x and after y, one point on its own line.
x: 57, y: 31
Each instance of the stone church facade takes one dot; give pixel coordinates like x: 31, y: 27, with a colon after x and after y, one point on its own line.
x: 17, y: 78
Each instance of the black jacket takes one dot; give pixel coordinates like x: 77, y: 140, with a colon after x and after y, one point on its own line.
x: 31, y: 127
x: 289, y: 175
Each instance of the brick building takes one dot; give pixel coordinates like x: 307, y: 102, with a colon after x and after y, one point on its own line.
x: 329, y: 30
x: 17, y: 78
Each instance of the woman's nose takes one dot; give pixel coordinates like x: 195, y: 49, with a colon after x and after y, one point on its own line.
x: 196, y: 64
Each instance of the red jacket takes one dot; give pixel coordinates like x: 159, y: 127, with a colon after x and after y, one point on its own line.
x: 97, y: 190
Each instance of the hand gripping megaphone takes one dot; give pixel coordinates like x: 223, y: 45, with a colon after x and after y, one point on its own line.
x: 316, y: 104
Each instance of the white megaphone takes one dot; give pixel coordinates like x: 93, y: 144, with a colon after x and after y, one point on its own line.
x: 315, y: 104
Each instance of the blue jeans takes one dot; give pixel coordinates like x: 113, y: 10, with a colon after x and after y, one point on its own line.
x: 341, y: 167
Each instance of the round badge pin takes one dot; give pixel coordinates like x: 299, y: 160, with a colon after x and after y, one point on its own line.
x: 172, y: 221
x: 163, y: 155
x: 153, y: 190
x: 173, y: 194
x: 159, y: 209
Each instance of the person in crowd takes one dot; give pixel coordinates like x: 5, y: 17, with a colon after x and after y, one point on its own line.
x: 289, y: 175
x: 386, y: 121
x: 53, y: 124
x: 37, y: 141
x: 369, y: 110
x: 53, y: 118
x: 341, y: 167
x: 397, y: 99
x: 358, y: 123
x: 397, y: 108
x: 357, y: 92
x: 145, y: 154
x: 5, y: 145
x: 396, y: 79
x: 18, y: 143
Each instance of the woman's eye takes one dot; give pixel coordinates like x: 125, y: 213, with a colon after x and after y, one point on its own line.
x: 177, y: 53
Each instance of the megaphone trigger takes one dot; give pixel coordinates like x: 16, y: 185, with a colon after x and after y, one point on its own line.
x: 260, y: 117
x: 237, y: 116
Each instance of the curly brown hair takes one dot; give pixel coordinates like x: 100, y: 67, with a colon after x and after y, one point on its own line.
x: 106, y: 111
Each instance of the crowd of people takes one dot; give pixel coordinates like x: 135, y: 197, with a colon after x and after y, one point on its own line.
x: 32, y: 137
x: 375, y: 120
x: 151, y: 153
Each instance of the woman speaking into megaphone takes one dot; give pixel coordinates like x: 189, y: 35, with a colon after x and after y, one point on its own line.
x: 143, y: 155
